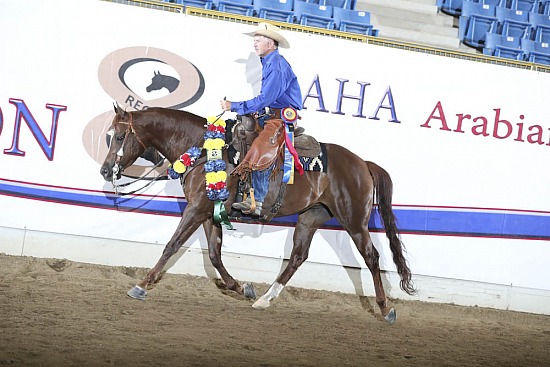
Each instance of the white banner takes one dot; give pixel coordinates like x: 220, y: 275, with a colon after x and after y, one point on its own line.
x: 467, y: 144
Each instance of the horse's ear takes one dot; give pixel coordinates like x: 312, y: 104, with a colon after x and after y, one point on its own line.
x: 157, y: 72
x: 118, y: 110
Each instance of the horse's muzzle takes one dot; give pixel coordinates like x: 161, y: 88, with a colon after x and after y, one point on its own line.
x: 108, y: 173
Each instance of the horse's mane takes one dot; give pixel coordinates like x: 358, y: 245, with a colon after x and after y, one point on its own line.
x: 176, y: 119
x: 173, y: 112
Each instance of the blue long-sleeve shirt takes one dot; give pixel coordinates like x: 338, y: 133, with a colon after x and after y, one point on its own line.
x: 280, y: 87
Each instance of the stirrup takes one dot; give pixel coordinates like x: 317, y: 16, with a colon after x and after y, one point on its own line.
x: 248, y: 205
x: 256, y: 211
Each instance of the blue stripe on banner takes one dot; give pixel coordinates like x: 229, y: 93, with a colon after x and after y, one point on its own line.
x: 472, y: 222
x: 95, y: 199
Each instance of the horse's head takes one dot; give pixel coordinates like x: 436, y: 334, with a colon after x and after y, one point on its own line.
x: 160, y: 81
x: 125, y: 146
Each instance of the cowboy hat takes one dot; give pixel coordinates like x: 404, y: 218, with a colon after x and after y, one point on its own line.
x: 270, y: 31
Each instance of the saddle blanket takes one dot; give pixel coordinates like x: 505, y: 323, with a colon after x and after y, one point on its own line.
x: 316, y: 164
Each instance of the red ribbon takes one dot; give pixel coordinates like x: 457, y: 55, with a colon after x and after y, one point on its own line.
x: 294, y: 153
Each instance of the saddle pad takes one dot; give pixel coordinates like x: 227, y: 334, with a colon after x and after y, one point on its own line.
x: 317, y: 164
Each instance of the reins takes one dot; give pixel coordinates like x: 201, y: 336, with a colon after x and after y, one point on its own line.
x: 116, y: 187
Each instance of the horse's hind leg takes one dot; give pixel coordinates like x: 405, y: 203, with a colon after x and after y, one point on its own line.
x: 370, y: 254
x: 214, y: 235
x: 308, y: 222
x: 188, y: 224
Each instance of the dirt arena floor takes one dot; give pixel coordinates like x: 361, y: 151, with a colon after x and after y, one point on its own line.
x: 61, y: 313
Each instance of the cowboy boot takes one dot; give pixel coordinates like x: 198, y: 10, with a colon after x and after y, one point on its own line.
x: 243, y: 205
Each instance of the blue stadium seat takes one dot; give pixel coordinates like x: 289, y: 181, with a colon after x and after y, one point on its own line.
x: 280, y: 10
x: 355, y: 21
x: 539, y: 19
x: 495, y: 3
x: 476, y: 20
x: 542, y: 34
x: 503, y: 46
x: 313, y: 15
x: 515, y: 29
x: 451, y: 7
x: 514, y: 23
x: 470, y: 8
x: 345, y: 4
x: 526, y: 5
x: 204, y: 4
x: 537, y: 52
x: 503, y: 13
x: 241, y: 7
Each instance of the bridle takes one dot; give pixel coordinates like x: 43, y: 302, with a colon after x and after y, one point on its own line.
x: 120, y: 153
x: 129, y: 130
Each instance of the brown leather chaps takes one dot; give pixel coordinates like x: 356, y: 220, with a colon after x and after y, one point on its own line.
x: 266, y: 149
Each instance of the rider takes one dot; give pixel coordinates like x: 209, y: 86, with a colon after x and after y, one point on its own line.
x: 280, y: 89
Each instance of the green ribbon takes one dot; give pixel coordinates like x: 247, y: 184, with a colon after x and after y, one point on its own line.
x: 220, y: 215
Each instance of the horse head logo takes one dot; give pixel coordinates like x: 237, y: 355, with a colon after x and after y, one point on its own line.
x: 185, y: 87
x: 160, y: 81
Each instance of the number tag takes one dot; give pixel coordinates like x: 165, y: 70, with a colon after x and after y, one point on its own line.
x: 214, y: 154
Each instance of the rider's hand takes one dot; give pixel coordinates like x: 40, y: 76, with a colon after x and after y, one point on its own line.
x: 225, y: 105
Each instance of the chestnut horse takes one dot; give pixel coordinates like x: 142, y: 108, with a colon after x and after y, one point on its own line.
x: 346, y: 191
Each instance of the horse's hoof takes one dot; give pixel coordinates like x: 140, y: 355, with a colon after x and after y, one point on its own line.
x: 249, y: 291
x: 138, y: 293
x: 261, y: 304
x: 391, y: 317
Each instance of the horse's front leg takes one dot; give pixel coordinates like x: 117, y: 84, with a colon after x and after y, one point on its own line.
x: 214, y: 235
x: 190, y: 221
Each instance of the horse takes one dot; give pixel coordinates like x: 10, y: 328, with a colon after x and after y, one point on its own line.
x: 347, y: 191
x: 160, y: 81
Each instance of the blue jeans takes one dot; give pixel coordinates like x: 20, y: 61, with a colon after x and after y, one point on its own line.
x: 260, y: 183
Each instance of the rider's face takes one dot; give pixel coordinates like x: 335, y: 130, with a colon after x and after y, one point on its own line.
x: 263, y: 45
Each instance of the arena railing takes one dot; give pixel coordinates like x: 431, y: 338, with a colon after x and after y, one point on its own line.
x: 373, y: 40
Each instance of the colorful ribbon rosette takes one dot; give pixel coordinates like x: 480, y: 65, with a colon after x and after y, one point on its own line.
x: 216, y: 177
x: 214, y: 168
x: 176, y: 169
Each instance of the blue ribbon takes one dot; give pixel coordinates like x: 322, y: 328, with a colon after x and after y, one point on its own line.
x: 288, y: 163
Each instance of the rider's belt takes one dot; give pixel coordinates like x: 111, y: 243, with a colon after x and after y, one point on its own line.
x: 273, y: 111
x: 266, y: 114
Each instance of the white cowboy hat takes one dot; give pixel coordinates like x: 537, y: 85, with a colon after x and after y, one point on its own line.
x: 270, y: 31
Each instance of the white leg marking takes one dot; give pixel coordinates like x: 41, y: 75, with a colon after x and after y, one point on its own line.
x: 273, y: 292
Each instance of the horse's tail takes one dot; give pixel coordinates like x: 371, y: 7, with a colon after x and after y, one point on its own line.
x: 383, y: 191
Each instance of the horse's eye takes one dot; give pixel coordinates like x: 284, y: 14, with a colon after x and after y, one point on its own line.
x: 120, y: 138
